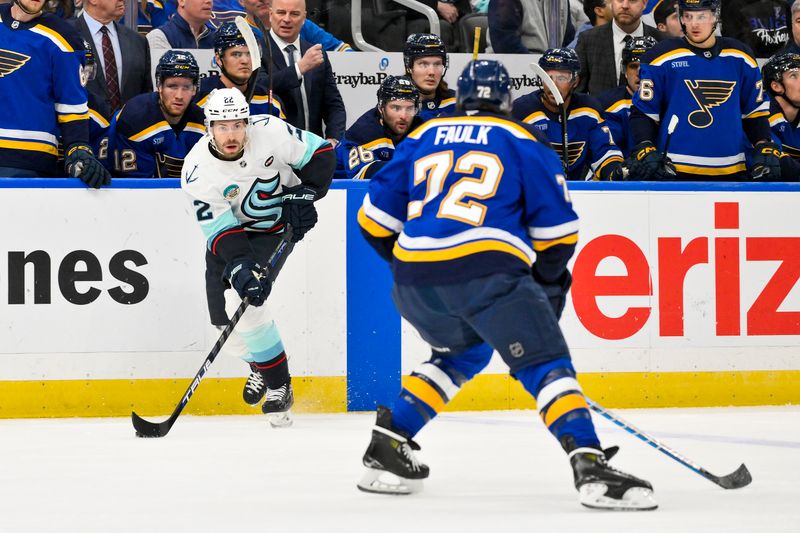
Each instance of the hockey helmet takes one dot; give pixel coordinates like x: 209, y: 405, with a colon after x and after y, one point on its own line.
x: 778, y: 64
x: 397, y: 88
x: 560, y: 59
x: 484, y: 85
x: 699, y: 5
x: 226, y: 104
x: 227, y: 36
x: 423, y: 45
x: 635, y: 49
x: 177, y: 64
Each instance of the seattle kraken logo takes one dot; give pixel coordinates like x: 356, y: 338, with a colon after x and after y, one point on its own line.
x: 260, y: 204
x: 708, y: 94
x: 11, y: 61
x: 574, y: 151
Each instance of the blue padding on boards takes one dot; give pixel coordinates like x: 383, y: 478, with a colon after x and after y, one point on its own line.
x: 373, y: 323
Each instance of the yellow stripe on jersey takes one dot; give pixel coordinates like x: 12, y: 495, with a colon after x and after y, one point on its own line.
x: 733, y: 52
x: 195, y: 127
x: 585, y: 112
x: 203, y: 100
x: 459, y: 251
x: 711, y: 171
x: 562, y: 406
x: 372, y: 227
x: 447, y: 101
x: 30, y: 146
x: 423, y: 390
x: 776, y: 119
x: 757, y: 114
x: 619, y: 104
x: 97, y: 117
x: 672, y: 54
x: 383, y: 142
x: 72, y: 117
x: 539, y: 246
x: 54, y: 36
x: 534, y: 117
x: 152, y: 130
x: 516, y: 129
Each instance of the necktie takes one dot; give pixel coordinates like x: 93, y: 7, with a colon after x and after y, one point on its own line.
x: 298, y: 93
x: 112, y: 79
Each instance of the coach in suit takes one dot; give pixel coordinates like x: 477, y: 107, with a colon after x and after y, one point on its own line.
x: 301, y: 74
x: 601, y: 71
x: 122, y: 55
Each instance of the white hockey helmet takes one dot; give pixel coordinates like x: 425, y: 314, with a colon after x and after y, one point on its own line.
x: 226, y: 104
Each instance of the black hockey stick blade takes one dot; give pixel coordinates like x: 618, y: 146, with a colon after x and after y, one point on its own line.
x: 735, y: 480
x: 151, y: 429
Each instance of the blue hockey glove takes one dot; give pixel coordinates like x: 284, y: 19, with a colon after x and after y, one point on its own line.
x: 556, y: 291
x: 649, y: 164
x: 80, y: 163
x: 299, y: 210
x: 766, y: 162
x: 247, y: 279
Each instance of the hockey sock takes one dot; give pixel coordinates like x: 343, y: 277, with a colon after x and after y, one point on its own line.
x: 560, y: 402
x: 434, y: 383
x: 275, y: 372
x: 266, y: 351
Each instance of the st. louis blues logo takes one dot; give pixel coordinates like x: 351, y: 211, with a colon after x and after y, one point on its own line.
x: 260, y: 204
x: 11, y: 61
x: 708, y: 94
x: 574, y: 151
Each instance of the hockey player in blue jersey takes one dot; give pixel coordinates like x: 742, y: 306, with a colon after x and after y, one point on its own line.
x: 617, y: 101
x: 475, y: 217
x: 425, y: 59
x: 41, y: 65
x: 781, y: 75
x: 233, y: 59
x: 591, y: 151
x: 152, y: 133
x: 373, y: 138
x: 712, y: 85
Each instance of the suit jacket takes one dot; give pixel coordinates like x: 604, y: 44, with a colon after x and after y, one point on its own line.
x: 136, y: 77
x: 596, y: 52
x: 325, y: 103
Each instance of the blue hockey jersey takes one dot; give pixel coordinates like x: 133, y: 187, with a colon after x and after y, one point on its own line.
x: 438, y: 107
x: 259, y: 105
x: 366, y: 145
x: 786, y: 133
x: 41, y: 64
x: 467, y: 196
x: 616, y: 105
x: 711, y: 92
x: 591, y: 149
x: 142, y: 144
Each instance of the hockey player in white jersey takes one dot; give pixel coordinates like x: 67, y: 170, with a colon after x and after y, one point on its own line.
x: 247, y: 179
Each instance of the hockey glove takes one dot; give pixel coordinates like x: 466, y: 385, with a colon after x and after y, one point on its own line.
x: 649, y: 164
x: 556, y: 291
x: 247, y: 279
x: 80, y: 163
x: 766, y: 162
x: 299, y: 210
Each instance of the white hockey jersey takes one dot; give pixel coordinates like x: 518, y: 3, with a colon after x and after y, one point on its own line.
x: 246, y: 192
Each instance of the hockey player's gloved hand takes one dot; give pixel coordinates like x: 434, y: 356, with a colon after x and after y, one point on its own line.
x: 246, y: 278
x: 299, y: 210
x: 766, y: 162
x: 612, y: 172
x: 650, y: 164
x: 556, y: 291
x: 80, y: 163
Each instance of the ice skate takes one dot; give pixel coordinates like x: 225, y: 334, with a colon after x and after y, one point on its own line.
x: 392, y: 467
x: 254, y: 387
x: 601, y: 486
x: 277, y: 406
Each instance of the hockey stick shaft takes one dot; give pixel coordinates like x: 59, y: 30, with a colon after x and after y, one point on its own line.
x: 255, y: 55
x: 268, y: 45
x: 737, y: 479
x: 145, y: 428
x: 551, y: 86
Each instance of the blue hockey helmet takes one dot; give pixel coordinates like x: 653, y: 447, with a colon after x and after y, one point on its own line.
x: 397, y: 88
x: 423, y: 45
x: 774, y: 68
x: 484, y: 85
x: 227, y: 36
x: 177, y: 64
x: 635, y: 48
x: 560, y: 59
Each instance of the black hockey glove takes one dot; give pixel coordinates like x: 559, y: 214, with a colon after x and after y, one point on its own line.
x: 649, y: 164
x: 247, y: 279
x: 556, y: 291
x: 80, y: 163
x: 612, y: 172
x: 766, y: 162
x: 299, y: 210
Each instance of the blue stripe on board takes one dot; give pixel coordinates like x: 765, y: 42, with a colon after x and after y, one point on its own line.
x: 373, y: 324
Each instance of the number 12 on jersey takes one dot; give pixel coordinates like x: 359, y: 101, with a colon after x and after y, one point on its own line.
x: 460, y: 201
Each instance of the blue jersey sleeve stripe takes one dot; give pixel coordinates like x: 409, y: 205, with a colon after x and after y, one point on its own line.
x: 540, y: 246
x: 381, y: 217
x: 372, y: 227
x: 553, y: 232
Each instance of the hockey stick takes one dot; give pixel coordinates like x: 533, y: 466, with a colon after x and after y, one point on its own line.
x: 539, y: 71
x: 735, y: 480
x: 268, y: 45
x: 255, y: 54
x: 673, y: 123
x: 160, y: 429
x: 476, y: 43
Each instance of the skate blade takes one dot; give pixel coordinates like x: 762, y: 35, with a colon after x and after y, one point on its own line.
x: 383, y: 482
x: 592, y: 495
x: 280, y: 420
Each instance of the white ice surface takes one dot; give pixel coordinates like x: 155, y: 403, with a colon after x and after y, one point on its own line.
x: 491, y: 472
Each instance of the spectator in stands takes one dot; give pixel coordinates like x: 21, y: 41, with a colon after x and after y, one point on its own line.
x: 425, y: 60
x: 665, y: 16
x: 302, y: 76
x: 598, y: 12
x: 763, y: 25
x: 449, y: 11
x: 122, y: 54
x: 793, y: 45
x: 153, y: 133
x: 188, y: 28
x: 233, y: 59
x: 600, y: 71
x: 523, y: 26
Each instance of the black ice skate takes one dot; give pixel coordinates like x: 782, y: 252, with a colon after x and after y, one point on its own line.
x: 392, y: 467
x: 277, y: 406
x: 601, y: 486
x: 254, y: 387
